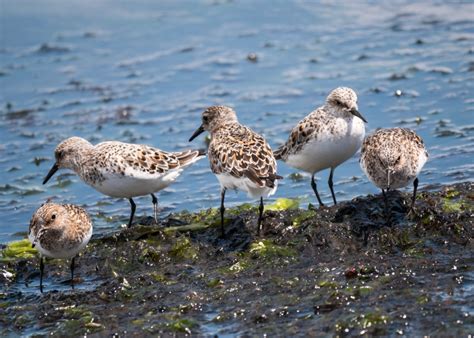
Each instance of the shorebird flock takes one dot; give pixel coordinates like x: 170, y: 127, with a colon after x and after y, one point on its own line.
x: 241, y: 160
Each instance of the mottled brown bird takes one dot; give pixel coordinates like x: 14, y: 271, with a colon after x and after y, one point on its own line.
x: 122, y: 170
x: 240, y: 158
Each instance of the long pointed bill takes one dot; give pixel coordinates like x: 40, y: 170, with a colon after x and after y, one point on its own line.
x: 198, y: 132
x: 52, y: 171
x: 355, y: 112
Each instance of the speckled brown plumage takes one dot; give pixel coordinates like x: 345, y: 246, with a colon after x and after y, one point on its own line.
x: 392, y: 158
x: 238, y: 151
x: 94, y: 163
x: 328, y: 121
x: 123, y: 170
x: 60, y: 230
x: 325, y: 138
x: 240, y: 158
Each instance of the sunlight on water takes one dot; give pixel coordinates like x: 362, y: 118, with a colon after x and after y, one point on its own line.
x: 144, y: 71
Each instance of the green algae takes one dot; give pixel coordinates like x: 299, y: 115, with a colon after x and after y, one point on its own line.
x: 266, y: 249
x: 138, y: 322
x: 423, y: 299
x: 245, y: 207
x: 371, y: 322
x: 372, y: 319
x: 303, y: 216
x: 150, y: 254
x: 453, y: 203
x: 185, y: 228
x: 183, y: 248
x: 415, y: 251
x: 283, y: 204
x: 362, y: 290
x: 21, y: 249
x: 142, y: 289
x: 77, y: 312
x: 203, y: 219
x: 403, y: 239
x: 450, y: 193
x: 263, y: 250
x: 183, y: 325
x: 215, y: 282
x: 78, y: 320
x: 328, y: 284
x: 453, y: 206
x: 237, y: 267
x: 161, y: 278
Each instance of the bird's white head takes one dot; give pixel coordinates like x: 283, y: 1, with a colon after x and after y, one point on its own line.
x: 68, y: 155
x: 344, y: 100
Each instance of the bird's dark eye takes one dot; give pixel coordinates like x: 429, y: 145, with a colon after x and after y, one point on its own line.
x: 339, y: 103
x: 205, y: 118
x: 53, y: 216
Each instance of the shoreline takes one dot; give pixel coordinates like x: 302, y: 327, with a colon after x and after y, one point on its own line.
x: 337, y: 270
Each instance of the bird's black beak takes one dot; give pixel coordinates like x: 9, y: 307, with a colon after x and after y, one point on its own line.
x: 198, y: 132
x: 52, y: 171
x: 355, y: 112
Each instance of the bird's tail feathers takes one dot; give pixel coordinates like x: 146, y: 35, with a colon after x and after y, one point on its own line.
x: 188, y: 157
x: 279, y: 153
x: 268, y: 180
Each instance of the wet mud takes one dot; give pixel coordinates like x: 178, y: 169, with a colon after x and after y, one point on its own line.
x: 341, y: 270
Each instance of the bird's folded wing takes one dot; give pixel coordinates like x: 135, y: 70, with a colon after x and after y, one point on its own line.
x: 250, y: 157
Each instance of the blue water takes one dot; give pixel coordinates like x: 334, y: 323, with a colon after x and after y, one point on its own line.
x: 143, y: 71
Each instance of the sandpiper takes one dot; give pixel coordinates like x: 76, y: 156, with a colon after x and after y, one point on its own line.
x: 122, y: 170
x: 240, y: 158
x: 59, y: 231
x: 393, y: 158
x: 325, y: 138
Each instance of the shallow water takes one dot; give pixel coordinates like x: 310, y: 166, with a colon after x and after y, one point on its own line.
x: 143, y: 72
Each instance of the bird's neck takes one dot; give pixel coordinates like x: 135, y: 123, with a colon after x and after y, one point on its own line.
x: 223, y: 126
x: 80, y: 157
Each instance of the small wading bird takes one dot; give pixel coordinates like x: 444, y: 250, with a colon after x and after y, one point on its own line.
x: 240, y: 158
x: 325, y: 138
x: 59, y: 231
x: 392, y: 159
x: 122, y: 170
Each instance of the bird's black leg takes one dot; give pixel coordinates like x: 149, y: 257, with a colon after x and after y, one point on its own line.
x: 154, y: 200
x: 330, y: 186
x: 260, y: 214
x: 72, y: 272
x: 415, y: 188
x: 132, y: 213
x: 41, y: 273
x: 386, y: 210
x: 315, y: 189
x: 222, y: 212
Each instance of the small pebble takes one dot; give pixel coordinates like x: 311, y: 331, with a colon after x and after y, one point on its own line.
x: 252, y: 57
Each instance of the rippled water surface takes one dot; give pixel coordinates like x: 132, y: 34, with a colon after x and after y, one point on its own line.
x: 144, y: 71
